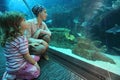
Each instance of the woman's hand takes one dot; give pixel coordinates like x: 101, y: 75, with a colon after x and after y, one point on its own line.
x: 44, y: 43
x: 40, y: 41
x: 34, y: 44
x: 45, y: 32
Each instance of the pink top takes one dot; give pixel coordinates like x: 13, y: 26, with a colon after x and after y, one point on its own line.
x: 34, y: 27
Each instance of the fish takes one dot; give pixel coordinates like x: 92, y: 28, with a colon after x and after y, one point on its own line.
x: 114, y: 30
x: 49, y: 21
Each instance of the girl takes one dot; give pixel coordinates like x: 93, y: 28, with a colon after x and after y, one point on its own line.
x: 39, y: 34
x: 19, y: 64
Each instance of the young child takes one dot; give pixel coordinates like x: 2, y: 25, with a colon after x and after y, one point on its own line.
x: 38, y: 32
x: 19, y: 64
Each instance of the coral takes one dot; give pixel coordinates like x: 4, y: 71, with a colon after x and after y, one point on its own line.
x: 62, y: 32
x: 91, y: 50
x: 69, y: 36
x: 61, y: 37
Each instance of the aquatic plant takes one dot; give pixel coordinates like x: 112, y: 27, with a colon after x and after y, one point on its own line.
x: 91, y: 50
x: 69, y: 36
x: 61, y: 37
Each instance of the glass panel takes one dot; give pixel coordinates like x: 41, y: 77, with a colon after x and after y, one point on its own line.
x: 87, y: 30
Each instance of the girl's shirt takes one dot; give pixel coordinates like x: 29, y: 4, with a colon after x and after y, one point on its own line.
x: 14, y: 53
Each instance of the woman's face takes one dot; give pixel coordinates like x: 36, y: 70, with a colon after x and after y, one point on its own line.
x: 43, y: 15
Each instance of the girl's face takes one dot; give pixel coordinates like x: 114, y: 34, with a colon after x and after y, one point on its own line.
x: 23, y: 24
x: 43, y: 15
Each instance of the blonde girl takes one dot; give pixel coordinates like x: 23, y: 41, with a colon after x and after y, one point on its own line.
x: 19, y: 64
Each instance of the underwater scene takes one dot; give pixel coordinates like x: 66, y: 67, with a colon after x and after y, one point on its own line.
x: 88, y: 30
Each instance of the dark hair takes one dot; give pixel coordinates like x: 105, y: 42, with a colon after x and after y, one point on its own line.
x: 37, y: 9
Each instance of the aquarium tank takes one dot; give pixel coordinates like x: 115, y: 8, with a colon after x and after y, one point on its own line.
x: 88, y: 30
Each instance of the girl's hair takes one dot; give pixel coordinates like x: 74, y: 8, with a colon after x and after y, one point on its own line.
x: 37, y: 9
x: 10, y: 26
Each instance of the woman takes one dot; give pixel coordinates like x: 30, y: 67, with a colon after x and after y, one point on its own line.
x: 38, y: 33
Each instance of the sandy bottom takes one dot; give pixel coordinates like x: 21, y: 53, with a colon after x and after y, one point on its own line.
x: 114, y: 68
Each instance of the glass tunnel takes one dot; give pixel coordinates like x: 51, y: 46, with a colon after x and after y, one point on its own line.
x: 84, y: 42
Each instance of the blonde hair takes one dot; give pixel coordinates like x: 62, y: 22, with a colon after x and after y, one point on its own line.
x: 10, y: 26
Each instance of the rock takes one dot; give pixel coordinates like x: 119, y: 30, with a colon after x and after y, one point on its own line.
x: 87, y: 49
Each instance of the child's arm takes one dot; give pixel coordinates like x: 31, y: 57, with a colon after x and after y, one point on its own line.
x: 23, y: 50
x: 30, y: 60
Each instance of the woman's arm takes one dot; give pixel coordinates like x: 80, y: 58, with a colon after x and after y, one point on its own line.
x: 45, y: 30
x: 33, y: 42
x: 41, y: 31
x: 36, y: 34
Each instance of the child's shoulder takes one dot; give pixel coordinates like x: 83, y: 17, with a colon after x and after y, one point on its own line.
x: 21, y: 37
x: 18, y: 40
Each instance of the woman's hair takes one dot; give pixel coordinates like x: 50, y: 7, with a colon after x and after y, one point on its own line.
x: 37, y: 9
x: 10, y: 26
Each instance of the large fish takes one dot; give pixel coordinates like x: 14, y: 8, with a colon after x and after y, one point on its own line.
x: 114, y: 30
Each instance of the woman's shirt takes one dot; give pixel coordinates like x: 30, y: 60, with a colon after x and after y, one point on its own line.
x: 33, y: 27
x: 14, y: 51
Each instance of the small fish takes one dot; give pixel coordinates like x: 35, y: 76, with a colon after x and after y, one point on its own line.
x: 49, y: 21
x: 114, y: 30
x: 75, y: 20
